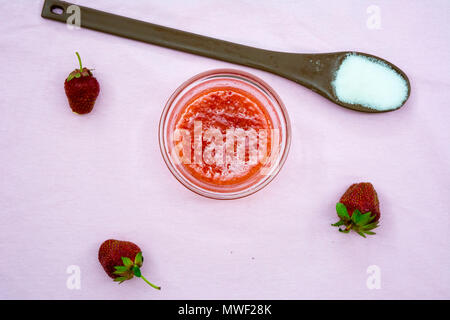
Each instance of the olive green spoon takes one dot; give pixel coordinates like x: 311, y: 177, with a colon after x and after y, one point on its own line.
x: 319, y: 72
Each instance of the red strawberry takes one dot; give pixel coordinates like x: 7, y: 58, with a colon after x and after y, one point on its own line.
x: 358, y: 209
x: 82, y: 89
x: 122, y: 260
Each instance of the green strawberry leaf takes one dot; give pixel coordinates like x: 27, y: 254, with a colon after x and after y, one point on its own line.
x: 365, y: 218
x: 120, y: 279
x: 356, y: 216
x: 361, y: 234
x: 344, y: 230
x: 370, y: 232
x: 127, y: 262
x: 138, y: 259
x: 339, y: 223
x: 119, y: 272
x: 121, y: 268
x: 73, y: 75
x: 370, y: 226
x: 342, y: 211
x: 137, y: 271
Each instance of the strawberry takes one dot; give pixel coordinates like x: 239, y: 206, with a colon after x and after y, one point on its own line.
x: 358, y: 209
x: 82, y: 89
x: 122, y: 260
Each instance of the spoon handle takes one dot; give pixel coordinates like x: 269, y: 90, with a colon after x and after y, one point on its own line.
x: 309, y: 70
x: 164, y: 36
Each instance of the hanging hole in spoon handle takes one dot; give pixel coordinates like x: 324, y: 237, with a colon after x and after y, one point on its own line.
x: 317, y: 72
x: 55, y: 10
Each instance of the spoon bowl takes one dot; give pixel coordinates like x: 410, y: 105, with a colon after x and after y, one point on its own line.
x: 318, y: 72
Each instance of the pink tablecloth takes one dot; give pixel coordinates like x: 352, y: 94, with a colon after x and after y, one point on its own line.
x: 69, y: 182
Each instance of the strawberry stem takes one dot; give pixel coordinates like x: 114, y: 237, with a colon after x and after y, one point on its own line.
x: 79, y: 60
x: 151, y: 284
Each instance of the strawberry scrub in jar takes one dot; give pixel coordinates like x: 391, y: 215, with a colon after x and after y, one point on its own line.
x: 224, y: 134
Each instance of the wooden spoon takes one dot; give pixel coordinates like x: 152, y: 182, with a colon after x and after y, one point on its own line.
x: 314, y: 71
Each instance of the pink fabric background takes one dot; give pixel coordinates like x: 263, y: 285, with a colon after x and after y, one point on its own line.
x: 69, y: 182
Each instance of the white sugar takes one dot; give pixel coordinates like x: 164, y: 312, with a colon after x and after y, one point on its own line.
x: 370, y: 83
